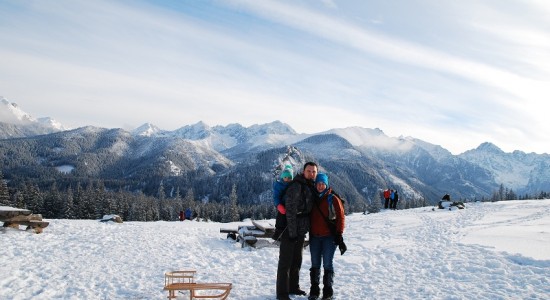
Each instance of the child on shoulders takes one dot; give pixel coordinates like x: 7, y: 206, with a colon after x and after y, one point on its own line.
x: 279, y: 188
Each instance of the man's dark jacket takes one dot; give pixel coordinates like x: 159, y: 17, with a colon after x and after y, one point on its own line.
x: 299, y: 198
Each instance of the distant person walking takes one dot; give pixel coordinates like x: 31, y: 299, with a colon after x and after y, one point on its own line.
x: 188, y: 214
x: 393, y: 204
x: 386, y: 198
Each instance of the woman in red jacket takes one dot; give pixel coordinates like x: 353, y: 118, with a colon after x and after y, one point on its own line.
x: 327, y: 226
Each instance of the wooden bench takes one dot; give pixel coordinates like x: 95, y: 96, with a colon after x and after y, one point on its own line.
x: 248, y: 235
x: 13, y: 217
x: 185, y: 280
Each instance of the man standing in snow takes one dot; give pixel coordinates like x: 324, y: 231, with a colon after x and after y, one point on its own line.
x: 299, y: 198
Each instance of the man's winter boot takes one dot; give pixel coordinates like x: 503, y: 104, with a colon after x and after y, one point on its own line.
x: 328, y: 279
x: 315, y: 277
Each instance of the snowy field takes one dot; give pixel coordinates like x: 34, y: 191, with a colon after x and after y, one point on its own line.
x: 486, y: 251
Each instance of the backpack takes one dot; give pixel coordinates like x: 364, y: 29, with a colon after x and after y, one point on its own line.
x: 331, y: 212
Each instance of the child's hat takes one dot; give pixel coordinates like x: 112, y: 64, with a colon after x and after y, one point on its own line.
x: 287, y: 172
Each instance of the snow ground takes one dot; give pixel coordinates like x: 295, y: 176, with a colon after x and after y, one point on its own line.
x: 487, y: 251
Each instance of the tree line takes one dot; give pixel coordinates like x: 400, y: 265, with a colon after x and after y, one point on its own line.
x: 92, y: 201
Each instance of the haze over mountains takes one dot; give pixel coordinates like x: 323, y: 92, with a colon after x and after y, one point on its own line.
x: 209, y: 160
x: 17, y: 123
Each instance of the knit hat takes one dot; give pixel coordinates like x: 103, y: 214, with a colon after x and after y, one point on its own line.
x: 322, y: 177
x: 287, y: 172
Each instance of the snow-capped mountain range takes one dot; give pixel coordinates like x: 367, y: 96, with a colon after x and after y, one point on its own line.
x: 361, y: 160
x: 17, y: 123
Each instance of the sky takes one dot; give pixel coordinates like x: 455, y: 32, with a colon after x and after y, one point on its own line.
x: 452, y: 73
x: 497, y: 250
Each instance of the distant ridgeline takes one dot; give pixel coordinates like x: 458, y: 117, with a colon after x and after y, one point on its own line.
x: 90, y: 172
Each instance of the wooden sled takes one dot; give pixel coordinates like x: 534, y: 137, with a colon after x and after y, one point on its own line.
x: 184, y: 280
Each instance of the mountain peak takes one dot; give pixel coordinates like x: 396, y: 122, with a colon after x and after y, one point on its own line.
x: 146, y: 129
x: 12, y: 114
x: 200, y: 125
x: 197, y: 131
x: 21, y: 124
x: 489, y: 147
x: 275, y: 127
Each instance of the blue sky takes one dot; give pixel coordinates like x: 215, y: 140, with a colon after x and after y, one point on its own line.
x: 452, y: 73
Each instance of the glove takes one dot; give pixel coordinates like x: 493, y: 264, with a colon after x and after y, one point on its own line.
x: 281, y: 208
x: 338, y: 240
x: 342, y: 248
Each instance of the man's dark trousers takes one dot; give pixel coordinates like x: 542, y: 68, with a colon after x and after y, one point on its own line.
x: 290, y: 262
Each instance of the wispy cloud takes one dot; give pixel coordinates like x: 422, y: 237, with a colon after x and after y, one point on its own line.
x: 472, y: 71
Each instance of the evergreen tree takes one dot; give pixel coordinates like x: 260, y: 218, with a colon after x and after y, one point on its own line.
x: 4, y: 192
x: 100, y: 203
x: 78, y: 194
x: 233, y: 209
x: 18, y: 199
x: 189, y: 200
x: 33, y: 198
x: 161, y: 194
x: 501, y: 192
x: 510, y: 195
x: 376, y: 204
x: 123, y: 205
x: 68, y: 205
x: 136, y: 210
x: 153, y: 213
x: 85, y: 202
x: 177, y: 195
x: 166, y: 210
x: 53, y: 204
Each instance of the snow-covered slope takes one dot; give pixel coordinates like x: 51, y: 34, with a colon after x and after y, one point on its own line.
x: 487, y: 251
x: 514, y: 170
